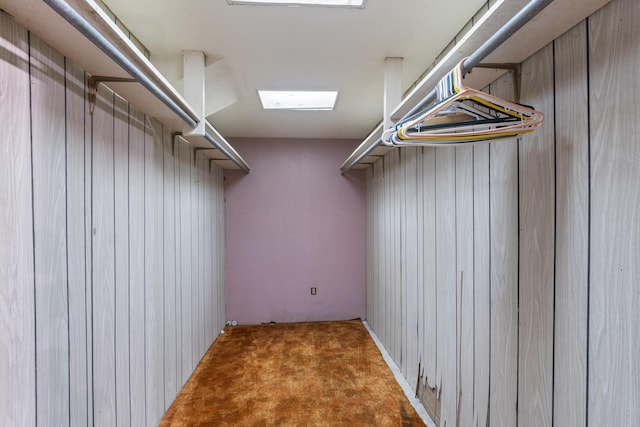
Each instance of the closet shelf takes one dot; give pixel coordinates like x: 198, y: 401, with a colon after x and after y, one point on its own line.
x: 550, y: 23
x: 52, y: 28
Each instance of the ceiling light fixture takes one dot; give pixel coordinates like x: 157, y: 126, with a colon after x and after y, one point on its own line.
x: 298, y: 100
x: 327, y: 3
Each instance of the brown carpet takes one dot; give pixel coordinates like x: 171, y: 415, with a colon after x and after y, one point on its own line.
x: 293, y: 374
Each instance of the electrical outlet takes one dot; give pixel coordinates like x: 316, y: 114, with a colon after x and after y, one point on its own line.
x: 313, y: 291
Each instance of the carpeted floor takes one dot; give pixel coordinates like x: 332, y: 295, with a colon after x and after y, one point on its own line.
x: 293, y: 374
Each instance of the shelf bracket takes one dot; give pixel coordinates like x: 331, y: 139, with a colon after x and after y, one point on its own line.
x: 195, y: 153
x: 514, y: 68
x: 174, y: 136
x: 93, y: 83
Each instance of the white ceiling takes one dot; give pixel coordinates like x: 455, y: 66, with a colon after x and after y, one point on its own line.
x: 295, y: 48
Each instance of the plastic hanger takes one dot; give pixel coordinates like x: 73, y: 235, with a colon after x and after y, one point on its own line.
x: 463, y: 115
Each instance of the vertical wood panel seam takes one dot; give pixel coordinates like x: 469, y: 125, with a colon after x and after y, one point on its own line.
x: 93, y: 414
x: 588, y: 216
x: 84, y: 234
x: 164, y: 313
x: 178, y: 273
x: 435, y: 271
x: 473, y: 262
x: 199, y: 197
x: 178, y: 220
x: 129, y: 244
x: 89, y: 260
x: 66, y: 231
x: 490, y: 284
x: 435, y: 235
x: 33, y: 236
x: 490, y: 287
x: 458, y: 293
x: 175, y: 322
x: 164, y: 279
x: 518, y: 282
x: 402, y: 230
x: 144, y: 262
x: 555, y: 232
x: 115, y: 259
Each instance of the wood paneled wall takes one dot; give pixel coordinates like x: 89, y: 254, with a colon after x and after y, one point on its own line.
x: 521, y: 308
x: 111, y: 249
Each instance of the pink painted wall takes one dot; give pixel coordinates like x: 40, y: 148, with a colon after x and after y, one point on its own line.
x: 294, y: 223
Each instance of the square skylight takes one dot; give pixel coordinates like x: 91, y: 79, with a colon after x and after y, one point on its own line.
x: 298, y: 100
x: 329, y: 3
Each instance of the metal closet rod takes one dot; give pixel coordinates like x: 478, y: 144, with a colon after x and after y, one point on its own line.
x: 81, y: 24
x: 514, y: 24
x: 224, y: 151
x: 227, y: 151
